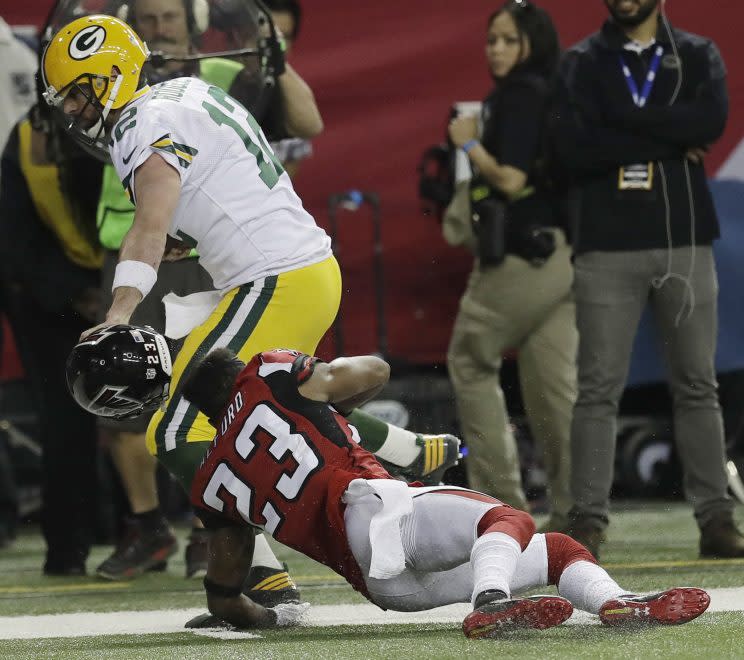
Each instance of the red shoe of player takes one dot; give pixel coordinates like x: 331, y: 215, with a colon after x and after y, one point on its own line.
x: 671, y: 607
x: 491, y: 619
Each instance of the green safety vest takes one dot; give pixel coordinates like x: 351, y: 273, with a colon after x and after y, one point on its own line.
x: 115, y: 213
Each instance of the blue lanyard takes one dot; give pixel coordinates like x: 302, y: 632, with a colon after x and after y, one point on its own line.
x: 640, y: 98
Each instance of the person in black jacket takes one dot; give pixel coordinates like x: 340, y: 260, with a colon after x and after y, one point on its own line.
x: 49, y: 272
x: 639, y: 102
x: 519, y: 292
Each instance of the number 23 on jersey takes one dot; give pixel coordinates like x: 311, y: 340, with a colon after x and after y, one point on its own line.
x: 282, y: 444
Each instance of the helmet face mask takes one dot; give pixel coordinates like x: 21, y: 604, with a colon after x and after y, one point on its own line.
x: 122, y: 371
x: 88, y: 126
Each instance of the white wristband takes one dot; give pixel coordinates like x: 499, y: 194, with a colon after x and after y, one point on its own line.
x: 136, y: 274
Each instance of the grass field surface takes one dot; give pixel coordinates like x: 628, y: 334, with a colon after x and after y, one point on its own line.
x: 651, y: 546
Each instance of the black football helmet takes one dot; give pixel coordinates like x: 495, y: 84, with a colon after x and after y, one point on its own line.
x: 122, y: 371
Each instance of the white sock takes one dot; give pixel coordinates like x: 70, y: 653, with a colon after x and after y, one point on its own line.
x: 263, y: 555
x: 532, y: 567
x: 494, y: 560
x: 587, y: 586
x: 400, y: 447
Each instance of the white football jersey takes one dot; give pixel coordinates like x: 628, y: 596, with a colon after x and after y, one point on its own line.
x: 237, y: 206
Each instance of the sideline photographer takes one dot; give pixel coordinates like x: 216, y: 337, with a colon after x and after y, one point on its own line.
x: 519, y: 292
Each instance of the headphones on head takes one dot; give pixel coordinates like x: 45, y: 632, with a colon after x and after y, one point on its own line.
x: 197, y: 15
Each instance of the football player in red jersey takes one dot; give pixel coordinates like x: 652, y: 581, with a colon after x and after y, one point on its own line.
x: 285, y: 460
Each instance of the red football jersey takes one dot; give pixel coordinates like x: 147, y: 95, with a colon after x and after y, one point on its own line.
x: 282, y: 462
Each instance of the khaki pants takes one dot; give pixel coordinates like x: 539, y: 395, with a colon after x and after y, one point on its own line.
x: 516, y: 305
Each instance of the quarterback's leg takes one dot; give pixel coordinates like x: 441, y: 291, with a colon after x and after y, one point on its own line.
x: 293, y: 309
x: 414, y: 456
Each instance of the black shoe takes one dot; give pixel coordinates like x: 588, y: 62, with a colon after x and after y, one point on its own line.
x: 137, y: 552
x: 438, y: 454
x: 587, y: 530
x: 65, y: 562
x: 6, y: 537
x: 197, y: 553
x: 271, y: 586
x: 720, y: 537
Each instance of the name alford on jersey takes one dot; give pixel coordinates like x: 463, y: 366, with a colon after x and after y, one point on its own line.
x: 235, y: 407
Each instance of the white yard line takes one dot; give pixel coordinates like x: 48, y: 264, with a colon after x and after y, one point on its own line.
x: 92, y: 624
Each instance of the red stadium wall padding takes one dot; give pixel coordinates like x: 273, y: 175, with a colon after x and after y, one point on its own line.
x: 10, y: 364
x: 384, y: 74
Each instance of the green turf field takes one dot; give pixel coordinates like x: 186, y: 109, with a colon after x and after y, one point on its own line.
x: 650, y: 547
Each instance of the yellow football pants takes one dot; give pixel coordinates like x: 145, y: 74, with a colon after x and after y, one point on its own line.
x: 290, y: 310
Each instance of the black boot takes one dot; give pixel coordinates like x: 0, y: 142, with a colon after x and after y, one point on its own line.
x: 720, y: 538
x: 587, y: 530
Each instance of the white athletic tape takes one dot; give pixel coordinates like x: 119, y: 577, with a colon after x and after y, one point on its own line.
x: 136, y: 274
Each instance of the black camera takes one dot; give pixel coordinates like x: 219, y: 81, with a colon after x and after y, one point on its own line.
x: 499, y: 234
x: 534, y: 243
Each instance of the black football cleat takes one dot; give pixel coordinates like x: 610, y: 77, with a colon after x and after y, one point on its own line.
x: 271, y: 586
x: 438, y: 454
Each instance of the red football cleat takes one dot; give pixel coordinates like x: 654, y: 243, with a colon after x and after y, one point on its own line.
x: 671, y: 607
x: 499, y: 616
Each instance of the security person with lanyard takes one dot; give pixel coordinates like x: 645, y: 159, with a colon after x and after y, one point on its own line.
x: 638, y: 104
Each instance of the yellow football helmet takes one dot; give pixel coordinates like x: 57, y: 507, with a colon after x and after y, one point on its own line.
x: 86, y: 50
x: 81, y: 56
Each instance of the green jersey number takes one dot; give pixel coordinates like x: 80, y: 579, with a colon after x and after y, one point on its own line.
x: 269, y: 166
x: 124, y: 123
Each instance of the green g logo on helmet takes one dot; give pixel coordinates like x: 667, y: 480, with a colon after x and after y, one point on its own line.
x: 86, y: 42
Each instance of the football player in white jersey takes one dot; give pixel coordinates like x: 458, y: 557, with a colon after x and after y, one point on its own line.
x: 201, y: 172
x: 286, y: 106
